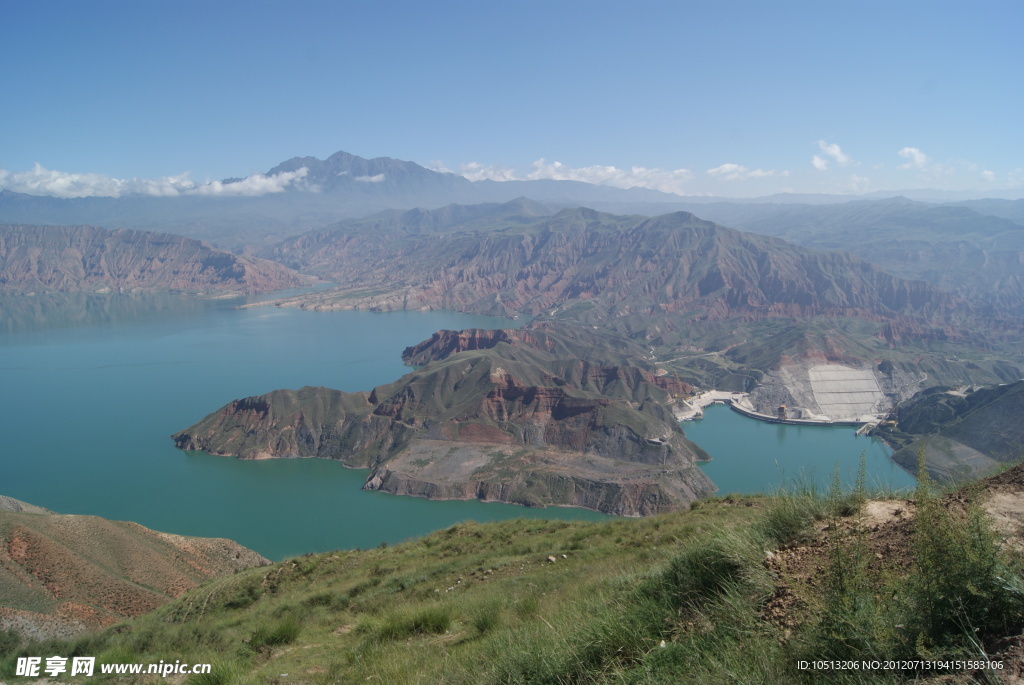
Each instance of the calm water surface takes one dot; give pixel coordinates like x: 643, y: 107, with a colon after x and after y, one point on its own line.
x: 92, y: 386
x: 751, y: 456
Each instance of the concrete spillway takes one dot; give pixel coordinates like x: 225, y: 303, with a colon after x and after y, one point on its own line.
x: 845, y: 393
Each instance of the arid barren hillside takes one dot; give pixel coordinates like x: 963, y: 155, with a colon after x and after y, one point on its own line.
x: 723, y: 308
x: 61, y: 575
x: 86, y: 258
x: 598, y: 265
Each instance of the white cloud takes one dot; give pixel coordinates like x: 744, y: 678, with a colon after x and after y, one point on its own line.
x: 832, y: 150
x: 858, y: 184
x: 475, y: 171
x: 377, y: 178
x: 930, y: 171
x: 917, y: 159
x: 736, y: 172
x: 665, y: 180
x: 168, y: 186
x: 42, y: 181
x: 988, y: 176
x: 257, y: 184
x: 820, y: 163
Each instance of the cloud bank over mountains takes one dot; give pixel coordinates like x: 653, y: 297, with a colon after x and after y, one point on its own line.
x: 665, y: 180
x: 49, y: 182
x: 676, y: 181
x: 833, y: 170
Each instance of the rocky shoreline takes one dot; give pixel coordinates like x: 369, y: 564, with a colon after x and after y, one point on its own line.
x: 505, y: 420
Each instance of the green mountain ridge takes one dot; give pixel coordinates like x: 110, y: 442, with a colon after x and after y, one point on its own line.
x: 962, y: 434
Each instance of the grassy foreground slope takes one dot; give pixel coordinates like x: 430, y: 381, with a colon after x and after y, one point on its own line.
x: 736, y: 590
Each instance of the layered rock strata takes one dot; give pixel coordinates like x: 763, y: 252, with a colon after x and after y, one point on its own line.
x: 508, y: 422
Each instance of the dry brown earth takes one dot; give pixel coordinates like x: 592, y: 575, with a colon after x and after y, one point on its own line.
x: 62, y: 574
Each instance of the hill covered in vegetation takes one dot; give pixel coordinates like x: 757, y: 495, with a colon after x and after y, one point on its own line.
x: 763, y: 589
x: 962, y: 433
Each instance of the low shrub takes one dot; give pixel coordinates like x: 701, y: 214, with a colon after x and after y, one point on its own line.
x: 280, y: 632
x: 424, y: 621
x: 963, y: 584
x: 9, y: 642
x: 485, y: 617
x: 709, y: 566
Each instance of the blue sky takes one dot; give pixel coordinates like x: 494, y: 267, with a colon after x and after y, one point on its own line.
x: 723, y: 98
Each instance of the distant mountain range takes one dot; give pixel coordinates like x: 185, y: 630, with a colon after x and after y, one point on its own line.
x: 974, y: 249
x: 518, y: 258
x: 342, y: 186
x: 346, y: 186
x: 35, y: 259
x: 723, y: 308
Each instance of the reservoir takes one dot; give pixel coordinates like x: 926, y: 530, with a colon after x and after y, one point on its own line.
x: 751, y: 456
x: 92, y: 386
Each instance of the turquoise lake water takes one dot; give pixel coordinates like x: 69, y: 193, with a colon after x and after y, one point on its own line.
x: 91, y: 388
x: 751, y: 456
